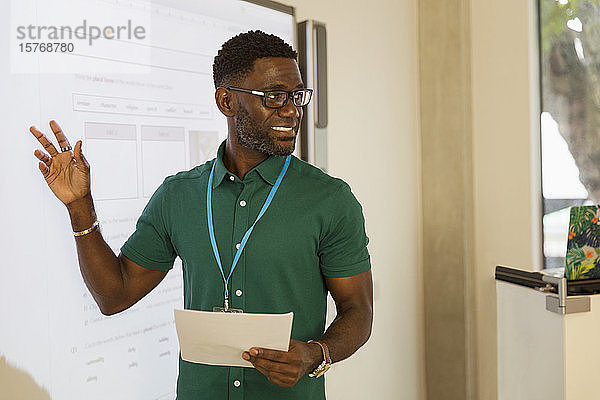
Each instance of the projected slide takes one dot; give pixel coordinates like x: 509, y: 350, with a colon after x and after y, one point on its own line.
x: 143, y: 104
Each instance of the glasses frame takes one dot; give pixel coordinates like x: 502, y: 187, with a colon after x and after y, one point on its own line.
x: 263, y: 94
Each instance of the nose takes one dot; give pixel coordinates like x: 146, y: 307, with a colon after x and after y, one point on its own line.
x: 289, y: 109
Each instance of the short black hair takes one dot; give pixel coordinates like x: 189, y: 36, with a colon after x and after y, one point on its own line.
x: 237, y: 55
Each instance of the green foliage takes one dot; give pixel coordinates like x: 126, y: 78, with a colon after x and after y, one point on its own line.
x: 575, y: 255
x: 581, y: 270
x: 581, y: 217
x: 583, y: 249
x: 554, y: 17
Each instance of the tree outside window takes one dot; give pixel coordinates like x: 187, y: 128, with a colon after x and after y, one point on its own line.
x: 570, y: 120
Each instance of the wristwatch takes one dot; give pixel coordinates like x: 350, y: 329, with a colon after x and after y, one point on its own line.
x: 324, y: 366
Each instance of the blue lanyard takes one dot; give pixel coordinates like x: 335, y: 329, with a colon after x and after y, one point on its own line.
x: 211, y: 229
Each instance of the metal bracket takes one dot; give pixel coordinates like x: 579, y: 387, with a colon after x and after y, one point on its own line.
x: 572, y: 305
x: 562, y: 304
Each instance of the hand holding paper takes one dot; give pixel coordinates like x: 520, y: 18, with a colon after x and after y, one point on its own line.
x: 285, y: 368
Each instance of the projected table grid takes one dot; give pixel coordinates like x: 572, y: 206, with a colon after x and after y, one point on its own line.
x: 107, y: 144
x: 118, y: 105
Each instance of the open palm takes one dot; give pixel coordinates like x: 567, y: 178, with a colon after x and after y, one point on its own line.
x: 67, y: 173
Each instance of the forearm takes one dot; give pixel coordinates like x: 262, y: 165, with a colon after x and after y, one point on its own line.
x: 100, y: 268
x: 348, y: 332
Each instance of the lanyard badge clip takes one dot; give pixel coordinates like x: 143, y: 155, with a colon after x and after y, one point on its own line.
x: 225, y: 307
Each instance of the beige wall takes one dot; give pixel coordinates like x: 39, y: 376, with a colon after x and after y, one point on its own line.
x: 374, y: 146
x: 489, y: 195
x: 506, y: 159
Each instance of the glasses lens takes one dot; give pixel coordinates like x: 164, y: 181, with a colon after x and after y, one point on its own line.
x: 302, y: 97
x: 275, y: 99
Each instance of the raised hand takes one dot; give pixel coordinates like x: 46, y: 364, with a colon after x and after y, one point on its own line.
x: 67, y: 173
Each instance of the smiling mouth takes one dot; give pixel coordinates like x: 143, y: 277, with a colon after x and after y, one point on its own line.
x: 286, y: 129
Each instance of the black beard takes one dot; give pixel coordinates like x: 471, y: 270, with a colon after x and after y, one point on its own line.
x: 250, y: 135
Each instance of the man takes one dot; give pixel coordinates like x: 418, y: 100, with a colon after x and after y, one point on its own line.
x: 309, y: 238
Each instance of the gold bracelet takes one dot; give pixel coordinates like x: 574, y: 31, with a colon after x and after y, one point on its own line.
x: 91, y: 228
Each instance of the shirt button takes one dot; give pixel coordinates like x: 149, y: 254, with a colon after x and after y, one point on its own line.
x: 237, y: 246
x: 243, y: 203
x: 231, y: 178
x: 237, y: 383
x: 238, y: 293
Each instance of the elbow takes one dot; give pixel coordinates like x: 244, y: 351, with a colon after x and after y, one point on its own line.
x: 362, y: 319
x: 368, y: 323
x: 369, y: 329
x: 108, y: 311
x: 111, y: 308
x: 367, y: 337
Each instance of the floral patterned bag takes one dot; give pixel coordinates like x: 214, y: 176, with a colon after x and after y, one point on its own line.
x: 583, y: 248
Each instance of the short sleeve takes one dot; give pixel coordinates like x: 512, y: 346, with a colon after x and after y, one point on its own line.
x: 343, y: 249
x: 150, y: 245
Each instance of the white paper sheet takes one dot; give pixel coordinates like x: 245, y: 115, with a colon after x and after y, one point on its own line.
x: 218, y: 338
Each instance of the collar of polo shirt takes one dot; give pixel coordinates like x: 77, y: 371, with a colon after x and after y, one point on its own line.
x: 268, y: 170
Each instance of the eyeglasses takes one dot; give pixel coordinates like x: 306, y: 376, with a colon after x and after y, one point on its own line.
x: 279, y: 98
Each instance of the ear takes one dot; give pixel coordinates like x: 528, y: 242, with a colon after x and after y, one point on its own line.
x: 225, y: 101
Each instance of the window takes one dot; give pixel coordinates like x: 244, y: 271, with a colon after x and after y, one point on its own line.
x: 570, y: 119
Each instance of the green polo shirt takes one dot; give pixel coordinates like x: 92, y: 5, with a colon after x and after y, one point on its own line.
x: 313, y: 229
